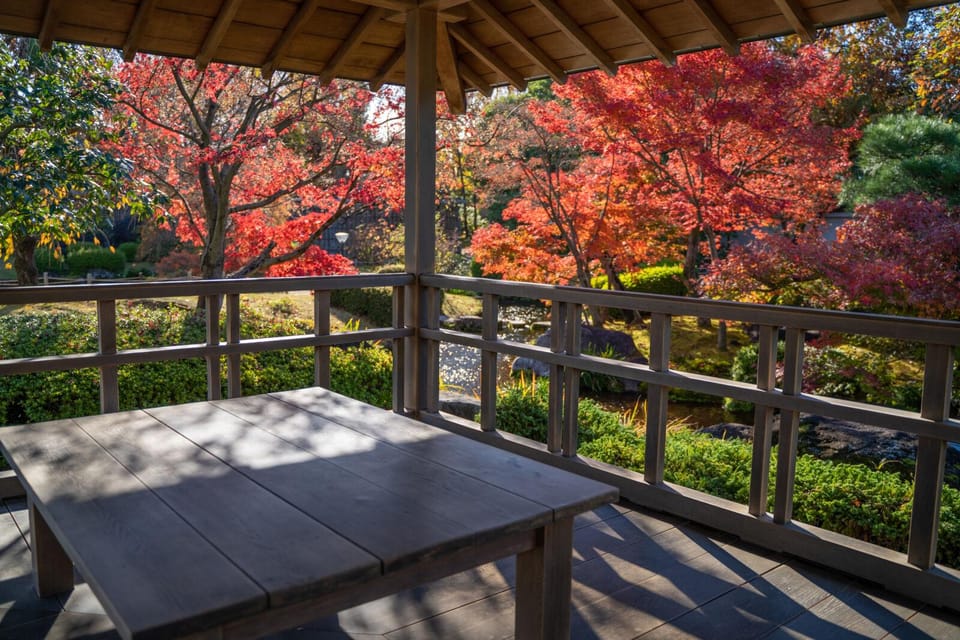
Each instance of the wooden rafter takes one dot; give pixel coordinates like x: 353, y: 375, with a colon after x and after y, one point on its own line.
x: 132, y: 42
x: 51, y: 18
x: 799, y: 21
x: 377, y: 81
x: 489, y: 57
x: 512, y: 33
x: 282, y: 45
x: 228, y: 10
x: 370, y: 17
x: 645, y: 30
x: 716, y: 25
x: 575, y: 32
x: 895, y: 11
x: 447, y: 69
x: 475, y: 79
x: 453, y: 14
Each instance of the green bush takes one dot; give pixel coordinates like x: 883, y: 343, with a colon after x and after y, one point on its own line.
x: 374, y: 304
x: 129, y: 250
x: 363, y: 372
x: 84, y: 258
x: 664, y: 280
x: 49, y: 261
x: 852, y: 499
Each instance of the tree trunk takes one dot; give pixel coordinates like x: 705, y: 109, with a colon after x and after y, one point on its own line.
x: 24, y: 259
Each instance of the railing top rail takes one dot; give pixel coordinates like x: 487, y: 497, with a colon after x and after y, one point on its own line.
x: 900, y: 327
x: 173, y: 288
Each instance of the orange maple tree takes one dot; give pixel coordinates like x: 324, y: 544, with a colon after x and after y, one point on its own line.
x: 722, y: 143
x: 255, y: 169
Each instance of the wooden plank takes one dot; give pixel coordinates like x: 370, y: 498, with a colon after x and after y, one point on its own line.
x: 447, y: 70
x: 51, y: 19
x: 321, y: 327
x: 135, y: 34
x: 566, y: 494
x: 208, y: 49
x: 388, y: 68
x: 799, y: 21
x: 645, y: 30
x: 544, y: 584
x: 398, y: 351
x: 513, y: 33
x: 763, y: 422
x: 354, y: 40
x: 271, y: 541
x: 656, y: 430
x: 487, y: 55
x: 895, y: 11
x: 234, y: 389
x: 52, y: 568
x: 153, y: 573
x: 789, y: 427
x: 107, y: 346
x: 292, y: 30
x: 725, y: 36
x: 558, y: 323
x: 212, y: 323
x: 488, y: 365
x: 931, y: 458
x: 571, y: 382
x: 371, y: 495
x: 572, y: 29
x: 474, y: 79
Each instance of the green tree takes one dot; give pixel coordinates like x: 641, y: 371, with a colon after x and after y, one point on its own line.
x: 937, y: 72
x: 58, y: 176
x: 901, y: 154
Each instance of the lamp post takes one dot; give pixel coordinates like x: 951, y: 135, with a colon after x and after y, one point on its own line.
x: 341, y: 237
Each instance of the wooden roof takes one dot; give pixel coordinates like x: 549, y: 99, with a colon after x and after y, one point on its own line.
x: 481, y: 43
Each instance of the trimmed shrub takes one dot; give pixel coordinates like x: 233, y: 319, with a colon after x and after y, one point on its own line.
x: 376, y: 304
x: 129, y: 250
x: 664, y: 280
x: 82, y: 259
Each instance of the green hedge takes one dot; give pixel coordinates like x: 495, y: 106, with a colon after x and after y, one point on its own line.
x: 665, y: 280
x: 83, y: 258
x: 129, y: 250
x: 852, y: 499
x: 362, y: 372
x: 376, y: 304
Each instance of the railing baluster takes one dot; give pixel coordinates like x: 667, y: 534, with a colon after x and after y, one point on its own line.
x: 213, y: 340
x: 789, y: 427
x: 763, y: 422
x: 234, y: 389
x: 558, y: 320
x: 571, y: 382
x: 321, y: 327
x: 398, y: 350
x: 433, y: 351
x: 107, y: 345
x: 656, y: 435
x: 931, y: 458
x: 488, y: 364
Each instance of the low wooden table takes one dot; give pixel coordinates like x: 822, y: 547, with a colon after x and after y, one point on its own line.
x: 241, y: 517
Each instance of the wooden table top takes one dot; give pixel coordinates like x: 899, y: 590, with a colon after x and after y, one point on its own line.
x: 218, y: 510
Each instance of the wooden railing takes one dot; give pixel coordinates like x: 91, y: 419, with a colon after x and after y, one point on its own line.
x: 221, y: 296
x: 914, y: 573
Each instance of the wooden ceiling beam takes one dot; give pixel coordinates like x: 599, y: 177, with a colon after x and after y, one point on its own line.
x: 135, y: 34
x: 575, y: 32
x: 450, y: 80
x: 512, y: 33
x: 228, y: 11
x: 491, y: 59
x: 293, y: 28
x: 895, y: 11
x: 453, y: 14
x: 51, y: 18
x: 355, y: 39
x: 378, y: 81
x: 716, y: 25
x: 798, y: 19
x: 475, y: 79
x: 645, y: 30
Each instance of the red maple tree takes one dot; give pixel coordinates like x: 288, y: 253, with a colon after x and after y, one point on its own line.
x: 723, y: 143
x: 255, y: 169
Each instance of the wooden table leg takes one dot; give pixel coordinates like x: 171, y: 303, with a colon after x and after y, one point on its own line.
x: 52, y: 569
x: 543, y: 584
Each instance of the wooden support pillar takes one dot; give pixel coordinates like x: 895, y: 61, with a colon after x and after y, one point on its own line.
x: 789, y: 427
x: 763, y: 422
x: 213, y: 340
x: 419, y: 377
x: 52, y: 569
x: 656, y: 435
x: 233, y: 337
x: 107, y: 345
x: 488, y: 364
x: 571, y: 382
x: 321, y: 327
x: 558, y: 324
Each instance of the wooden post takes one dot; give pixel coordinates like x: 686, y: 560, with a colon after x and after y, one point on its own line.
x: 420, y: 235
x: 656, y: 436
x: 213, y: 339
x: 52, y: 568
x: 321, y: 327
x: 558, y: 322
x: 789, y: 427
x: 931, y: 458
x: 488, y: 364
x: 107, y: 345
x: 763, y: 422
x: 233, y: 337
x: 544, y: 584
x: 571, y: 382
x: 399, y: 361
